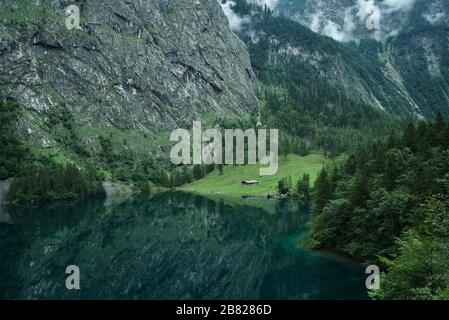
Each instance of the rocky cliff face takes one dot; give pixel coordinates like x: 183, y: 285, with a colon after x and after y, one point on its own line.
x: 139, y: 65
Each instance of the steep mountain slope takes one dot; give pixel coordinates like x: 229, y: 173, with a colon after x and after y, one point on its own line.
x: 318, y: 92
x: 420, y: 54
x: 276, y: 40
x: 412, y: 46
x: 144, y: 66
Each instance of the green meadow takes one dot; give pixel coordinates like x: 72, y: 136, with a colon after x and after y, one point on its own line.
x: 229, y: 183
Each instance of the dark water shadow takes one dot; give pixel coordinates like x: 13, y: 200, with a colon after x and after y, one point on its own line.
x: 168, y: 246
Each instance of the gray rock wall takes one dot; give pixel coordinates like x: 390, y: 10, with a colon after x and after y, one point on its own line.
x: 146, y: 65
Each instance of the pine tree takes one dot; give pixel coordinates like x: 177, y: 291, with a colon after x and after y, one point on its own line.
x: 303, y: 187
x: 439, y: 131
x: 197, y: 172
x: 410, y: 137
x: 12, y: 149
x: 360, y: 192
x: 323, y: 191
x: 284, y: 186
x: 187, y: 175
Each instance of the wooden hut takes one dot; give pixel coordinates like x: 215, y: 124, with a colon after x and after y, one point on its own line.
x: 247, y: 183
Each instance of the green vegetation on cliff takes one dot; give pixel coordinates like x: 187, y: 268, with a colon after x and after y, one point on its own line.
x: 13, y: 149
x: 54, y: 182
x: 313, y: 88
x: 40, y: 174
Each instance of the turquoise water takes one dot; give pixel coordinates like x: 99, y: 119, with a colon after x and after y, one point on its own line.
x: 168, y: 246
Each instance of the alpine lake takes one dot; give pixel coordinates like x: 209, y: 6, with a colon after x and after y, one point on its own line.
x: 170, y: 245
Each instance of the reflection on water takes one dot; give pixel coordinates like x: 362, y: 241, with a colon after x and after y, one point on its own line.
x: 170, y: 246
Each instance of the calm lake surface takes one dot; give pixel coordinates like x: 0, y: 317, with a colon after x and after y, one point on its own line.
x: 168, y: 246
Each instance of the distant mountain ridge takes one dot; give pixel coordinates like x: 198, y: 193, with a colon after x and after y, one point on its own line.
x: 345, y: 20
x: 402, y: 69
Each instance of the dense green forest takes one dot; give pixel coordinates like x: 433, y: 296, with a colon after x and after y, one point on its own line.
x: 54, y: 182
x: 311, y: 112
x: 38, y: 177
x: 13, y: 148
x: 74, y: 172
x: 388, y: 204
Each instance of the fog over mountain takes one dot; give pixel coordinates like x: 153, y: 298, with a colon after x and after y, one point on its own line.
x: 345, y: 20
x: 403, y: 47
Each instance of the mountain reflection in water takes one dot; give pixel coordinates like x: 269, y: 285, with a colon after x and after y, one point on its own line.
x: 169, y: 246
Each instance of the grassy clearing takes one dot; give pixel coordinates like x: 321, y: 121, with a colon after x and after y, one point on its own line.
x: 229, y: 183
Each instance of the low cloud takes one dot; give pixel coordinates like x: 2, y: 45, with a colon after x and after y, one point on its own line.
x: 364, y: 9
x: 341, y: 33
x: 235, y: 22
x: 269, y: 3
x: 434, y: 18
x: 315, y: 26
x: 356, y: 17
x: 399, y: 5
